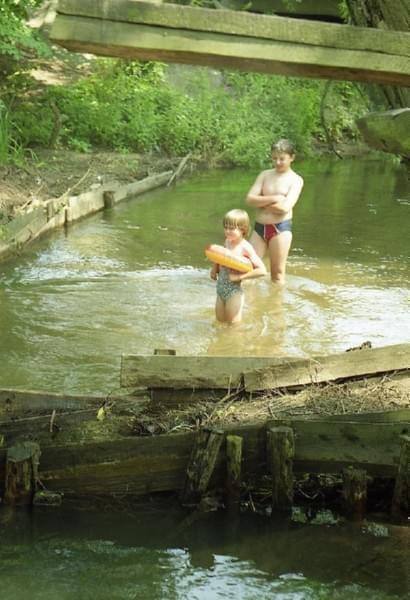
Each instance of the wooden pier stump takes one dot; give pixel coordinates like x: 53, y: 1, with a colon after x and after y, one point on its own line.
x: 233, y: 471
x: 355, y: 492
x: 21, y: 473
x: 280, y: 452
x: 401, y: 494
x: 109, y: 198
x: 201, y: 464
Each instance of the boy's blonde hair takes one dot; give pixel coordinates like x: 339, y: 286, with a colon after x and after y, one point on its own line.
x: 237, y: 218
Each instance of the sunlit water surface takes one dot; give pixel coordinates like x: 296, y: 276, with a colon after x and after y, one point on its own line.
x: 135, y: 278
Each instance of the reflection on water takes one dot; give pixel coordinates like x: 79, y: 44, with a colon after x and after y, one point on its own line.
x: 135, y: 278
x: 70, y: 555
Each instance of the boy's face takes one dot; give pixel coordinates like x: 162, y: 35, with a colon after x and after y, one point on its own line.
x: 282, y: 161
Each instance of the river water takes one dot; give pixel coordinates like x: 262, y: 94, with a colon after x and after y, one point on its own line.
x: 135, y: 278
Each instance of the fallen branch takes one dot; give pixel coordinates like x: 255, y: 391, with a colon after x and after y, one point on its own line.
x: 179, y: 169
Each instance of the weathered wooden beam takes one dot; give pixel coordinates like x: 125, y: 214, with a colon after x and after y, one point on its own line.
x: 258, y: 373
x: 321, y: 369
x: 141, y: 465
x: 201, y: 464
x: 354, y: 492
x: 21, y: 473
x: 401, y: 495
x: 188, y: 372
x: 234, y: 445
x: 232, y: 39
x: 280, y: 452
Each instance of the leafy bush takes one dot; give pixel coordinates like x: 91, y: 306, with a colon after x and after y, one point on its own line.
x: 225, y: 117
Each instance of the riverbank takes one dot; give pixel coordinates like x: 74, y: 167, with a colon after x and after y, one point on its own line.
x: 50, y: 174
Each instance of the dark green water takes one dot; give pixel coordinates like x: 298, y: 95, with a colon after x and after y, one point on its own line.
x: 134, y: 279
x: 66, y: 555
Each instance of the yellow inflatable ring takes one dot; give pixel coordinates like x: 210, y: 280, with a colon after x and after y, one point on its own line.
x: 224, y: 257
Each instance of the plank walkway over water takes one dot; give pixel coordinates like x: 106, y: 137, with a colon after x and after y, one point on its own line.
x: 233, y: 39
x: 257, y: 374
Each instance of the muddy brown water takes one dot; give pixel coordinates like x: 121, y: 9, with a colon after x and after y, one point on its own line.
x: 135, y: 278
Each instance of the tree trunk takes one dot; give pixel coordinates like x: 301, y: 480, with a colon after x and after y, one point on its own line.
x: 383, y: 14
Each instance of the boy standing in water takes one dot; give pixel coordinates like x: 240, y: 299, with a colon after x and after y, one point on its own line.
x: 229, y: 293
x: 274, y: 194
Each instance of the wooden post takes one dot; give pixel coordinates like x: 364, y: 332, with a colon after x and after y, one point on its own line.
x: 201, y: 464
x: 401, y: 494
x: 109, y: 198
x: 280, y: 452
x: 21, y: 473
x: 355, y: 492
x: 233, y: 471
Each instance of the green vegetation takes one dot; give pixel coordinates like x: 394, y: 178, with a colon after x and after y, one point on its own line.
x: 227, y: 118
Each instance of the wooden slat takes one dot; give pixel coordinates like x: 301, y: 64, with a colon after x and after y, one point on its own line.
x: 321, y: 369
x: 232, y: 39
x: 188, y: 372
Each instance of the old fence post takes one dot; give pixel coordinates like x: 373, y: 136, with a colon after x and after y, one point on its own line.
x: 280, y: 453
x: 401, y: 494
x: 233, y: 471
x: 201, y: 464
x: 355, y: 492
x: 21, y: 473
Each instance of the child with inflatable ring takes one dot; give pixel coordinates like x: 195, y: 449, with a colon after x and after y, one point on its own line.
x: 229, y: 292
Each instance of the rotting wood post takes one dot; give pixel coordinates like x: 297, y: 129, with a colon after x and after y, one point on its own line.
x: 21, y: 473
x: 201, y: 464
x: 280, y: 452
x: 355, y: 492
x: 109, y: 198
x: 401, y: 494
x: 233, y: 471
x: 165, y: 351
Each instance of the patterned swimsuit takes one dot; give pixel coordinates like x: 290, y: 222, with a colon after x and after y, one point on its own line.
x: 226, y: 288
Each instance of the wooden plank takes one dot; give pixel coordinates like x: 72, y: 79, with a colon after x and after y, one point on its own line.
x: 15, y: 401
x: 321, y: 369
x: 188, y: 372
x: 232, y: 39
x: 372, y: 446
x: 385, y: 416
x: 140, y: 465
x: 258, y: 373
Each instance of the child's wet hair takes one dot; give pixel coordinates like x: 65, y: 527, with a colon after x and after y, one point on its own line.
x: 285, y: 146
x: 237, y: 218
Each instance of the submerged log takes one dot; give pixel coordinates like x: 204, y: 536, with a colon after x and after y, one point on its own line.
x: 21, y: 473
x: 280, y: 453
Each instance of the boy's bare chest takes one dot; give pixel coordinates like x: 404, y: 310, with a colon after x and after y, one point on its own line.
x: 276, y: 184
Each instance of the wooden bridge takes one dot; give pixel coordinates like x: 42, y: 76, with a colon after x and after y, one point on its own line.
x: 233, y: 39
